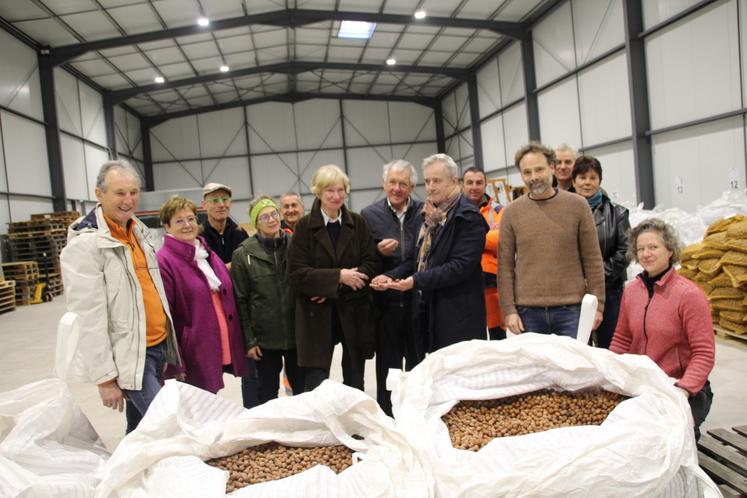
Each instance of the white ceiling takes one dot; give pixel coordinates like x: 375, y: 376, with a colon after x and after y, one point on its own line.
x: 57, y: 23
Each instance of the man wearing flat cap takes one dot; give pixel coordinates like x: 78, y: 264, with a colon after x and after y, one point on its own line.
x: 223, y: 236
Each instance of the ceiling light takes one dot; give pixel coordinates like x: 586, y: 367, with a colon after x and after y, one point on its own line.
x: 391, y: 61
x: 159, y: 79
x: 224, y: 68
x: 203, y: 21
x: 419, y: 14
x: 356, y: 29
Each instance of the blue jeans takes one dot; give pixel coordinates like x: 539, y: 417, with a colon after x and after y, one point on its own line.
x: 139, y: 401
x: 559, y: 320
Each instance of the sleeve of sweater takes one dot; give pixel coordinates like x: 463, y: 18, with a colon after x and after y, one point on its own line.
x: 698, y: 329
x: 507, y: 264
x: 591, y: 256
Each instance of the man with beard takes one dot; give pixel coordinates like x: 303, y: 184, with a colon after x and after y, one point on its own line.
x: 541, y: 289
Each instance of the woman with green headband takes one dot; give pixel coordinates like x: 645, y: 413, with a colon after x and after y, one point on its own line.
x: 266, y: 301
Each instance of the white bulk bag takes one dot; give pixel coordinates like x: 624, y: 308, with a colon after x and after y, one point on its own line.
x: 184, y: 426
x: 47, y: 446
x: 644, y: 448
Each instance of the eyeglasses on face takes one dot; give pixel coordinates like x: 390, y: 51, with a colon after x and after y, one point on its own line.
x: 217, y: 200
x: 264, y: 218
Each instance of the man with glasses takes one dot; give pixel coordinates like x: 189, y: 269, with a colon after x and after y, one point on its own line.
x: 223, y: 236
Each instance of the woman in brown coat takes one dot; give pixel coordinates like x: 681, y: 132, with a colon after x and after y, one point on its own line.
x: 331, y: 258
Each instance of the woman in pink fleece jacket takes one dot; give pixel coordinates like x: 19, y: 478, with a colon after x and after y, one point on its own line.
x: 667, y: 317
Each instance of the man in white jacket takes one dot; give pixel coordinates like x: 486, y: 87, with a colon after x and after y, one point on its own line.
x: 112, y: 283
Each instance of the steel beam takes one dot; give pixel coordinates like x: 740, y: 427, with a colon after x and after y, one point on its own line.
x: 147, y: 156
x: 288, y: 98
x: 530, y: 84
x: 639, y: 110
x: 474, y: 114
x: 111, y: 137
x: 293, y: 67
x: 290, y: 18
x: 52, y: 132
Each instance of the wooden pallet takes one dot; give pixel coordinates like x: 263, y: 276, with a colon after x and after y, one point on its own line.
x: 21, y: 271
x: 25, y: 292
x: 731, y: 337
x: 723, y: 455
x: 54, y: 283
x: 7, y: 296
x: 66, y: 217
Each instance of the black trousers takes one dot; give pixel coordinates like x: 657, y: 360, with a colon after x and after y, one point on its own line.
x: 352, y: 365
x: 395, y: 341
x: 700, y: 405
x: 268, y: 370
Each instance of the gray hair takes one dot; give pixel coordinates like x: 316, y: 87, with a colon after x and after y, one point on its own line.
x: 398, y: 166
x: 566, y: 148
x: 292, y: 194
x: 451, y: 165
x: 111, y: 165
x: 667, y: 233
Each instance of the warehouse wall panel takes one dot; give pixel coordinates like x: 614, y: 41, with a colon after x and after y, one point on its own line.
x: 488, y: 88
x: 493, y: 146
x: 461, y: 101
x: 598, y: 27
x: 657, y: 11
x: 318, y: 124
x: 25, y: 156
x: 449, y: 113
x: 364, y: 167
x: 67, y: 98
x: 694, y: 165
x: 177, y: 175
x: 275, y: 173
x: 618, y: 171
x: 127, y: 133
x: 4, y: 215
x: 222, y: 133
x: 554, y: 53
x: 19, y: 79
x: 411, y: 122
x: 743, y: 47
x: 74, y: 159
x: 693, y: 67
x: 3, y: 165
x: 558, y: 110
x: 515, y: 129
x: 231, y: 171
x: 366, y: 122
x: 175, y: 139
x: 362, y: 198
x: 269, y: 126
x: 605, y: 101
x: 95, y: 157
x: 511, y: 69
x: 21, y: 208
x: 308, y: 163
x: 414, y: 153
x: 92, y: 114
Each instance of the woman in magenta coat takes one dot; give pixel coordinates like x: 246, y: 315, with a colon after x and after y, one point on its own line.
x: 200, y: 294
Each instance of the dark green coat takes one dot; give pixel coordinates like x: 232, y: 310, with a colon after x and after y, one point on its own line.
x: 264, y: 297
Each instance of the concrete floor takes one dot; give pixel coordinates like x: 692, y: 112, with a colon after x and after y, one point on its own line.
x: 27, y: 352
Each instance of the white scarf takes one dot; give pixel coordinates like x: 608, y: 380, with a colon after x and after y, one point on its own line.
x: 201, y: 256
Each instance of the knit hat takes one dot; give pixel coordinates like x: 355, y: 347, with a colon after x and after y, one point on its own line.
x: 254, y: 213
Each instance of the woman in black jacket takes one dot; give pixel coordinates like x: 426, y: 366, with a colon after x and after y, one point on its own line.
x: 612, y: 227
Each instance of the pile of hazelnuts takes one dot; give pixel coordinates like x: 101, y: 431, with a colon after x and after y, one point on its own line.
x: 473, y: 424
x: 272, y: 461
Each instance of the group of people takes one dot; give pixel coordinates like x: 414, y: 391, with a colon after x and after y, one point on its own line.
x: 399, y: 280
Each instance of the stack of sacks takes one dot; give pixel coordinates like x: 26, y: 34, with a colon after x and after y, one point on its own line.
x: 718, y: 265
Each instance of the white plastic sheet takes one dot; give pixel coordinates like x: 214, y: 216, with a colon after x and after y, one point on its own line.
x: 644, y: 448
x: 47, y: 446
x: 184, y: 425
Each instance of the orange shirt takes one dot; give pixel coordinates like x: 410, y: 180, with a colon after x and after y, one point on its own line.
x: 155, y: 317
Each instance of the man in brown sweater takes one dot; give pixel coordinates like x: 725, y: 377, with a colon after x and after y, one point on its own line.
x: 549, y: 253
